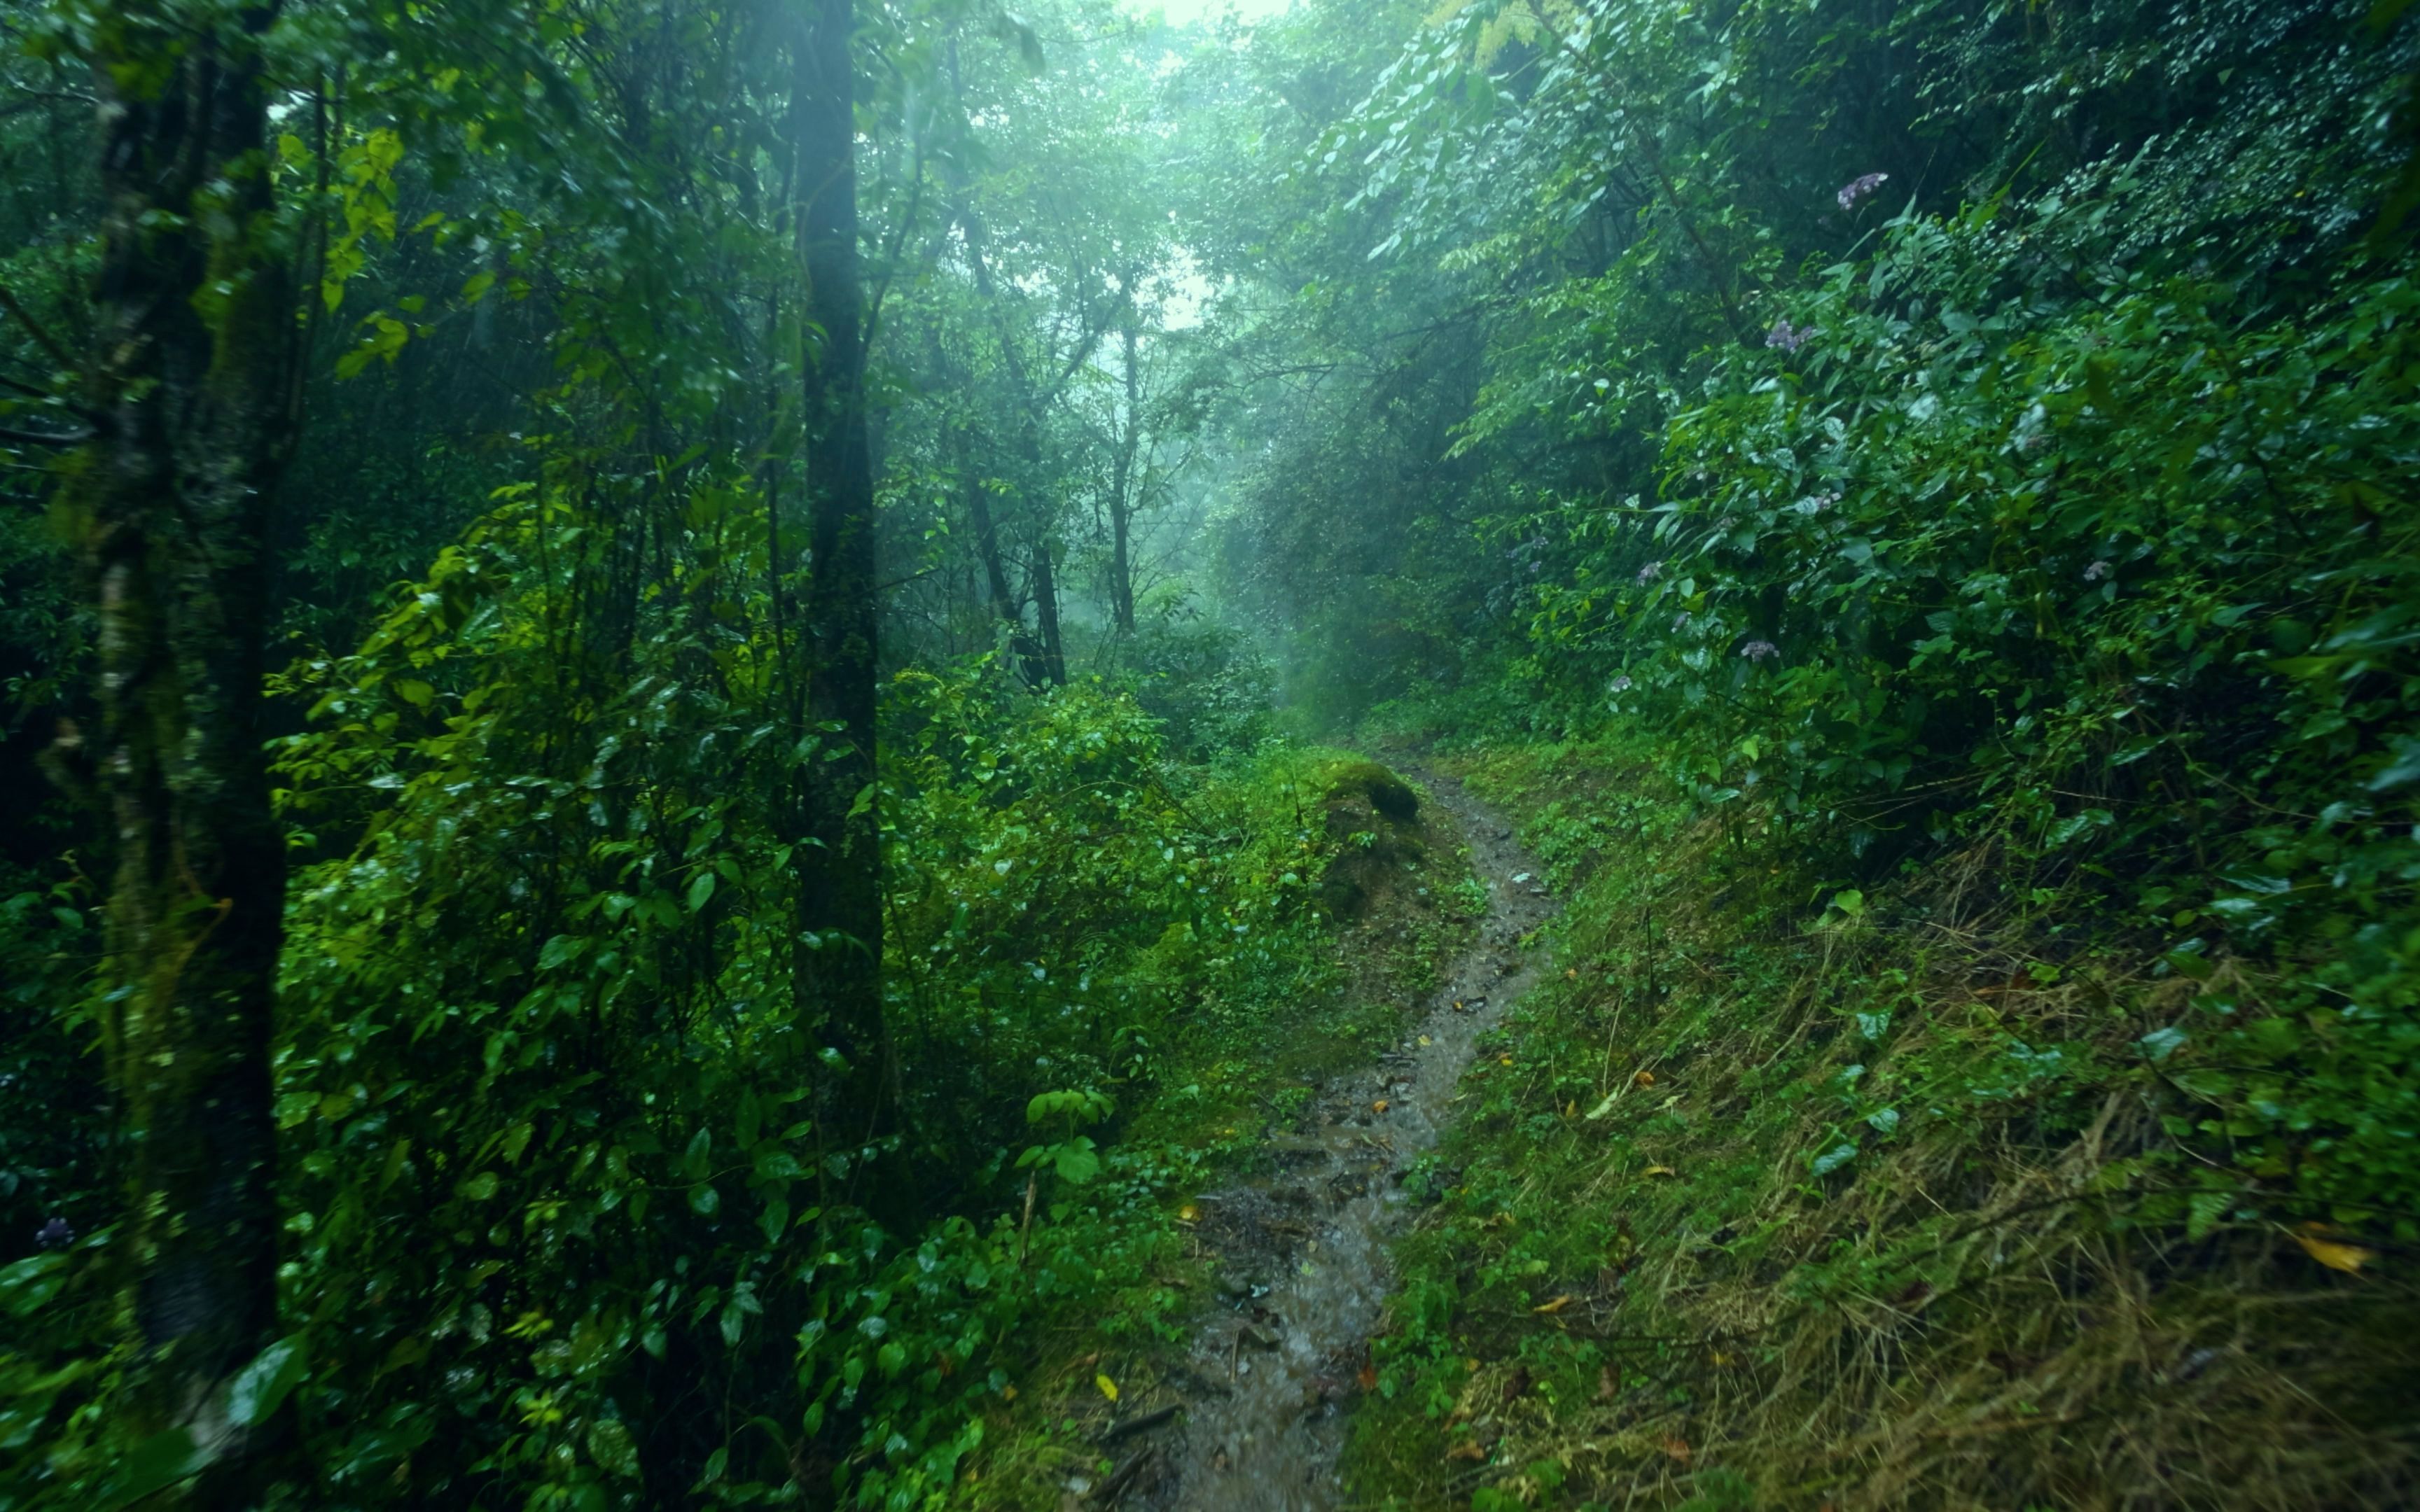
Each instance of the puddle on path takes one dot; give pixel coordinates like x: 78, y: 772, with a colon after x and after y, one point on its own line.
x: 1303, y: 1272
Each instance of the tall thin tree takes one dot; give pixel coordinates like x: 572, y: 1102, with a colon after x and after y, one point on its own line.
x: 840, y: 899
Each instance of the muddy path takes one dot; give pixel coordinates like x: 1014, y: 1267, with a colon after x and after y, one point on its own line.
x: 1300, y: 1253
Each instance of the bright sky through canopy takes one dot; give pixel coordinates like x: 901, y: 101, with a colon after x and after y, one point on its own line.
x: 1184, y: 12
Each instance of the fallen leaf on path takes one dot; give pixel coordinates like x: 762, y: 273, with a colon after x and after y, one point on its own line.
x: 1424, y: 1039
x: 1573, y: 975
x: 1467, y: 1450
x: 1678, y: 1448
x: 1379, y: 1106
x: 1659, y: 1170
x: 2333, y: 1254
x: 1645, y: 1079
x: 1555, y: 1306
x: 1108, y: 1387
x: 1188, y: 1215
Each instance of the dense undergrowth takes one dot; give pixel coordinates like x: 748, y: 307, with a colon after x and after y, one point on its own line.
x: 1920, y: 1198
x: 658, y: 1259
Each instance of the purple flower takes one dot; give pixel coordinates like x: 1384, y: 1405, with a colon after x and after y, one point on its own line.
x: 1649, y: 573
x: 1786, y: 336
x: 2094, y: 573
x: 56, y: 1234
x: 1759, y: 650
x: 1621, y: 684
x: 1859, y: 187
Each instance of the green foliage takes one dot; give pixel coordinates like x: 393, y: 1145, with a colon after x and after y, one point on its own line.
x: 2116, y: 589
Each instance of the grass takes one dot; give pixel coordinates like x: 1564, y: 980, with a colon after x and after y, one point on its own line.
x: 1794, y: 1201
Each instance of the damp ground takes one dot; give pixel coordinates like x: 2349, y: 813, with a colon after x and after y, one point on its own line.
x: 1253, y: 1416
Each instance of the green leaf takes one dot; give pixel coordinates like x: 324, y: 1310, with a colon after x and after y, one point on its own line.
x: 2402, y: 769
x: 260, y: 1386
x: 160, y: 1460
x: 701, y: 889
x: 29, y: 1282
x: 1076, y: 1162
x: 1836, y: 1157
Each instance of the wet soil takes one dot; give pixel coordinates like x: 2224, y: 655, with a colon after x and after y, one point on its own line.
x: 1300, y: 1251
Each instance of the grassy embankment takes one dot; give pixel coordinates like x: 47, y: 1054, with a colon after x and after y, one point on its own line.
x: 1873, y: 1201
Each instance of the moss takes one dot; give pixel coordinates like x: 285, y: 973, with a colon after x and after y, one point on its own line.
x: 1372, y: 783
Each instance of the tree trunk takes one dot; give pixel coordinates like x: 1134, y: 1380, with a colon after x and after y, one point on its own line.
x: 1032, y: 658
x: 839, y: 951
x: 1045, y: 663
x: 1120, y: 505
x: 193, y: 384
x: 1045, y: 613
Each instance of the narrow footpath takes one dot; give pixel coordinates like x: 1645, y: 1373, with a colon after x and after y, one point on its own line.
x: 1301, y: 1252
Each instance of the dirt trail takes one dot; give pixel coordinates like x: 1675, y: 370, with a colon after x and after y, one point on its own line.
x: 1302, y: 1260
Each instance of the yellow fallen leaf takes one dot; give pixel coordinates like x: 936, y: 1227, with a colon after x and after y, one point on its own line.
x: 1188, y: 1215
x: 1659, y: 1170
x: 1108, y: 1387
x: 1008, y: 1394
x: 1570, y: 1108
x: 1379, y: 1106
x: 1472, y: 1366
x: 1573, y: 975
x: 1424, y: 1039
x: 1467, y: 1449
x: 2333, y: 1254
x: 1504, y: 1060
x: 1555, y: 1306
x: 1645, y: 1079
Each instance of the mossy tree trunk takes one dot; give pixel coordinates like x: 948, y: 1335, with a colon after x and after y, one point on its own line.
x: 192, y: 386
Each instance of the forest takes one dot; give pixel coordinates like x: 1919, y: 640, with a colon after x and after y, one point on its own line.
x: 1218, y: 755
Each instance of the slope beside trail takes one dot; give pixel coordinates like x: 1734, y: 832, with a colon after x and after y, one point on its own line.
x: 1301, y: 1252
